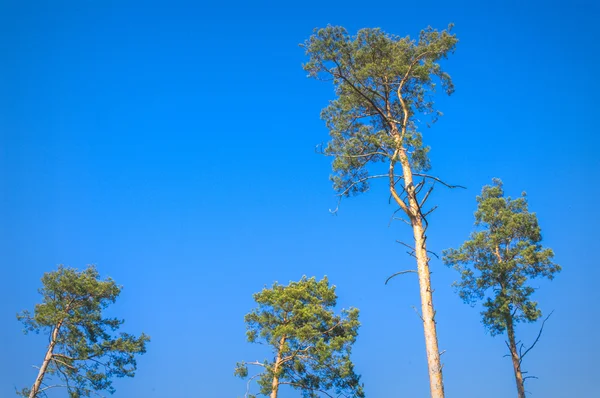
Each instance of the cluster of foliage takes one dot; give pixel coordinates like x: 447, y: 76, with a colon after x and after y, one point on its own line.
x: 311, y: 344
x: 497, y: 262
x: 381, y: 82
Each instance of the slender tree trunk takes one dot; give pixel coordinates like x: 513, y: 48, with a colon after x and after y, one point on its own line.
x: 512, y: 344
x: 275, y: 385
x: 434, y: 363
x: 40, y: 377
x: 514, y: 354
x: 413, y: 211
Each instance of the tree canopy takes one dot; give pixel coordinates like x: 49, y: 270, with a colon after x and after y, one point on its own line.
x: 499, y: 260
x: 84, y: 353
x: 311, y: 344
x: 382, y: 82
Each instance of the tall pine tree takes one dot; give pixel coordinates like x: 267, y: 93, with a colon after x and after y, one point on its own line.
x: 385, y: 86
x: 497, y: 263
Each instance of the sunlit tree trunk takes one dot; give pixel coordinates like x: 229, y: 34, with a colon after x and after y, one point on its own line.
x: 428, y: 313
x: 275, y: 385
x: 40, y: 377
x: 413, y: 211
x: 434, y: 363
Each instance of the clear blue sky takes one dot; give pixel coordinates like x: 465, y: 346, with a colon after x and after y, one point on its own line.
x: 172, y: 145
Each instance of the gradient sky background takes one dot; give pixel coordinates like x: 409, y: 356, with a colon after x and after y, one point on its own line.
x: 172, y: 145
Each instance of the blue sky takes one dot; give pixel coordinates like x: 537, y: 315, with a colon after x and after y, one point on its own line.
x: 172, y: 145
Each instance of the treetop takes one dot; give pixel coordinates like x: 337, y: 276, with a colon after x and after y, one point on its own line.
x: 500, y: 257
x: 382, y: 82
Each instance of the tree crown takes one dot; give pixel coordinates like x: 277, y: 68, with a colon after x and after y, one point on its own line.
x: 501, y: 257
x: 382, y: 82
x: 312, y: 342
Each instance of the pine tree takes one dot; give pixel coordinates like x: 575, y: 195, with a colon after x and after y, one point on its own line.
x: 384, y: 84
x: 497, y: 263
x: 311, y: 344
x: 83, y: 354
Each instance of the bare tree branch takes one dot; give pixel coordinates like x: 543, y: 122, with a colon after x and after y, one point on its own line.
x: 354, y: 183
x: 417, y: 312
x: 426, y: 196
x: 400, y: 273
x: 63, y: 363
x: 248, y: 384
x: 257, y: 363
x: 420, y: 186
x: 434, y: 253
x: 438, y: 180
x: 434, y: 208
x: 405, y: 244
x: 392, y: 218
x: 536, y: 339
x: 52, y: 386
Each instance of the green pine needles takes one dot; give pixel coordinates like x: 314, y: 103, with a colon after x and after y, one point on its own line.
x: 84, y: 353
x: 497, y: 263
x: 382, y: 83
x: 311, y: 344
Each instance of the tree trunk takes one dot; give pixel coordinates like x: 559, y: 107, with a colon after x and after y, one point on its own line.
x: 275, y: 385
x: 514, y: 354
x: 434, y: 363
x: 40, y: 377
